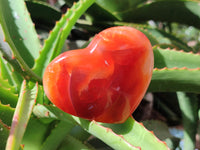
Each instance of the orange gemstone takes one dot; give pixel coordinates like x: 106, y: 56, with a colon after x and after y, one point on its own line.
x: 105, y: 81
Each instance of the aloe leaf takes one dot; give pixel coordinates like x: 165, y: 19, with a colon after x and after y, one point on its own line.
x: 118, y: 136
x: 19, y: 31
x: 35, y: 134
x: 4, y: 133
x: 129, y: 135
x: 7, y: 93
x: 5, y: 83
x: 165, y: 38
x: 72, y: 143
x: 40, y: 96
x: 113, y: 8
x: 6, y: 114
x: 159, y: 128
x: 17, y: 63
x: 171, y: 58
x: 98, y: 13
x: 56, y: 136
x: 175, y: 71
x: 177, y: 79
x: 43, y: 20
x: 9, y: 74
x: 53, y: 45
x: 108, y: 10
x: 49, y: 111
x: 80, y: 134
x: 189, y: 107
x: 6, y: 53
x: 21, y: 116
x: 181, y: 11
x: 84, y: 124
x: 43, y: 113
x: 79, y: 8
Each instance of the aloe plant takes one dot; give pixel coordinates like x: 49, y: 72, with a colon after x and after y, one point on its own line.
x: 27, y: 114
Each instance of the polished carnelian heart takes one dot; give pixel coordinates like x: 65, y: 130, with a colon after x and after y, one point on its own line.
x: 105, y: 81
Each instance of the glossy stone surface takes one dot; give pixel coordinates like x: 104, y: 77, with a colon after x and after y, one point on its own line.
x: 105, y: 81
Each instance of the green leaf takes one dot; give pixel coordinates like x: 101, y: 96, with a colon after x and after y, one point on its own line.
x: 4, y: 132
x: 43, y: 14
x: 7, y: 54
x: 6, y: 114
x: 52, y: 112
x: 72, y: 143
x: 125, y: 135
x: 112, y: 9
x: 165, y: 38
x: 35, y: 134
x: 7, y: 93
x: 19, y: 31
x: 40, y: 96
x: 172, y: 80
x: 189, y: 107
x: 80, y: 134
x: 56, y: 136
x: 129, y: 135
x: 96, y: 12
x: 175, y: 71
x: 21, y: 116
x: 5, y: 83
x: 53, y: 45
x: 159, y: 128
x: 181, y: 11
x: 9, y: 74
x: 171, y: 58
x: 17, y: 63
